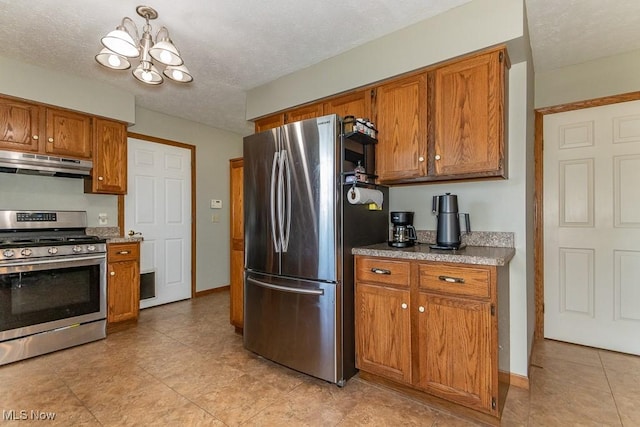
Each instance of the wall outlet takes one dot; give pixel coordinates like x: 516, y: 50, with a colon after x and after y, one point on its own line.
x: 216, y: 204
x: 103, y: 219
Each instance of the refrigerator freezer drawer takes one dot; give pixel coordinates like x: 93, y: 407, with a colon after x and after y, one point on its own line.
x: 293, y: 322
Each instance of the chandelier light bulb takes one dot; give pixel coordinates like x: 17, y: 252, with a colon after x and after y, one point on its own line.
x: 114, y: 61
x: 165, y: 56
x: 177, y: 74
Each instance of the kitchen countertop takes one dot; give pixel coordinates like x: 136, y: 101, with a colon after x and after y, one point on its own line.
x: 478, y: 255
x: 112, y: 234
x: 123, y: 239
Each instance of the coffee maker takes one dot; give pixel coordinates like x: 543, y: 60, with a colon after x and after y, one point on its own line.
x: 448, y: 235
x: 404, y: 235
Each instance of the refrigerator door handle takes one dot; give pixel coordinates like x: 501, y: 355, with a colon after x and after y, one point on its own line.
x: 281, y: 200
x: 287, y: 201
x: 285, y: 288
x: 272, y: 200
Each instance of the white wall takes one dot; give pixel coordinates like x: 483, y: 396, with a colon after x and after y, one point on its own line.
x: 29, y: 192
x: 608, y: 76
x: 504, y: 205
x: 64, y: 90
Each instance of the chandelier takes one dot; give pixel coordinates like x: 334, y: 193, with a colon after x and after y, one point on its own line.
x: 119, y: 46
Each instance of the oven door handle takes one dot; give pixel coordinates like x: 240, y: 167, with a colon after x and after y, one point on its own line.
x: 28, y: 262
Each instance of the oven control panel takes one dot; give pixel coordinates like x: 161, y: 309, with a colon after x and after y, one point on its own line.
x: 36, y: 216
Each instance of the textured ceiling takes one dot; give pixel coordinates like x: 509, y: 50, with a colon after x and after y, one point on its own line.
x: 567, y: 32
x: 231, y: 46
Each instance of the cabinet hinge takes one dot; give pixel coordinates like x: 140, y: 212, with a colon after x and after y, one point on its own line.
x: 493, y: 403
x: 493, y: 309
x: 542, y: 308
x: 501, y: 56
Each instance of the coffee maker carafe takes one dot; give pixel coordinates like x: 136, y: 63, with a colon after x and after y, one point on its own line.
x: 404, y: 235
x: 448, y: 235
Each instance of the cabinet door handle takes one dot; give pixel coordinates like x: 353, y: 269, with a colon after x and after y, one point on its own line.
x: 36, y: 137
x: 100, y: 178
x: 421, y: 309
x: 437, y: 157
x: 451, y: 279
x: 380, y: 271
x: 421, y: 159
x: 50, y: 139
x: 113, y: 273
x: 123, y: 253
x: 404, y: 305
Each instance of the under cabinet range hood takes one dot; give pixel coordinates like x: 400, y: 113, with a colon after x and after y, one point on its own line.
x: 43, y: 165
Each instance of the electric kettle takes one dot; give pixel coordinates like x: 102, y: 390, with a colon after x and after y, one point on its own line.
x: 448, y: 234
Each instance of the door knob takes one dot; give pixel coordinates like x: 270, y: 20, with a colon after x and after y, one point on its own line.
x: 134, y: 233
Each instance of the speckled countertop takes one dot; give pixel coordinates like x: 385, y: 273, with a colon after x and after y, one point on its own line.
x: 112, y: 234
x: 483, y: 248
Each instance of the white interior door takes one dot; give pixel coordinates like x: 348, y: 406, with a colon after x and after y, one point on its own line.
x: 592, y: 226
x: 158, y: 205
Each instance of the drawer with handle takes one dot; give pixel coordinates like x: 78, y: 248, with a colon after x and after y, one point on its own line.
x: 456, y: 279
x: 123, y: 251
x: 381, y: 270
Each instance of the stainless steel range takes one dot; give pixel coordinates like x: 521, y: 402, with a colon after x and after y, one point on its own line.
x: 52, y: 283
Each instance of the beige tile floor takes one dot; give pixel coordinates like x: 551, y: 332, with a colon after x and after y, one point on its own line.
x: 183, y: 365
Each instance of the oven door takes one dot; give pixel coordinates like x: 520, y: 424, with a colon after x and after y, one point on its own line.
x: 50, y: 293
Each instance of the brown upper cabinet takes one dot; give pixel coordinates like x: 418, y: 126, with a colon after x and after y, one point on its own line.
x: 269, y: 122
x: 20, y: 125
x: 401, y: 119
x: 442, y: 123
x: 303, y: 113
x: 31, y: 127
x: 68, y: 133
x: 467, y: 117
x: 356, y: 104
x: 109, y: 174
x: 290, y: 116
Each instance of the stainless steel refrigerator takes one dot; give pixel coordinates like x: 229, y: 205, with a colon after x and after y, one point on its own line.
x: 299, y: 232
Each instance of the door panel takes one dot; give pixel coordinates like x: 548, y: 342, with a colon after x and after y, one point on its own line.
x: 592, y: 226
x: 260, y: 250
x: 311, y: 149
x: 158, y: 205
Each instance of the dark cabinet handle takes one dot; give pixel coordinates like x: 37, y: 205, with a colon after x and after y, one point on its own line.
x: 380, y: 271
x: 451, y: 279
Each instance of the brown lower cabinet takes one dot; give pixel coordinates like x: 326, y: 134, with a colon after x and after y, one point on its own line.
x: 431, y: 328
x: 123, y: 282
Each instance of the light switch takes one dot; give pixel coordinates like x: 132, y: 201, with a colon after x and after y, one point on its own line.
x: 216, y: 204
x: 215, y: 218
